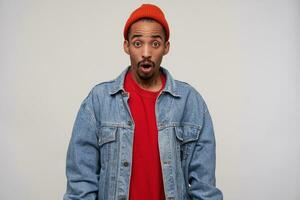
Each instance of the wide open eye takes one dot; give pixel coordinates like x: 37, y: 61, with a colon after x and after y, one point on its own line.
x: 155, y: 44
x: 137, y: 43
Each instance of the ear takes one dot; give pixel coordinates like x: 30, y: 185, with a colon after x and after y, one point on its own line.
x: 126, y: 46
x: 166, y: 48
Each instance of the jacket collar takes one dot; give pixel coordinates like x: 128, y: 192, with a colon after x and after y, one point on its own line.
x: 170, y: 87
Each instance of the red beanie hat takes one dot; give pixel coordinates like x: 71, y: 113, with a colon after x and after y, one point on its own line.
x: 147, y: 11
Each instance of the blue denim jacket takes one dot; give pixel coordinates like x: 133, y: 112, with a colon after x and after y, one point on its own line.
x: 100, y: 151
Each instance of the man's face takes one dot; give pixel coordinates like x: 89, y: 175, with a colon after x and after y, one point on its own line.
x: 146, y: 46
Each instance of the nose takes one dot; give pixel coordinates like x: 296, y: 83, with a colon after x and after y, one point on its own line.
x: 146, y: 52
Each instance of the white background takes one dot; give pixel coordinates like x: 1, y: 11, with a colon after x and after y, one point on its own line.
x: 242, y: 56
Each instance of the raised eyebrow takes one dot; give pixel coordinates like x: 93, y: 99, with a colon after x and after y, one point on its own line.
x: 157, y: 36
x: 135, y: 36
x: 152, y: 36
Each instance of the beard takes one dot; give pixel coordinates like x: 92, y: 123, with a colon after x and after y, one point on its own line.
x: 145, y: 77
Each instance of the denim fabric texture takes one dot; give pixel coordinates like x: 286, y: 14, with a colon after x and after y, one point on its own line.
x: 100, y: 150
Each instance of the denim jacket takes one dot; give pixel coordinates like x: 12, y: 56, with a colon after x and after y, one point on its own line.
x: 100, y: 150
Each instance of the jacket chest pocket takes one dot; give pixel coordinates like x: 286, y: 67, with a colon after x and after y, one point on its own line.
x: 107, y: 143
x: 187, y: 137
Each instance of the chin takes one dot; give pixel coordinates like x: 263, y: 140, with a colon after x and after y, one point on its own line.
x: 145, y: 77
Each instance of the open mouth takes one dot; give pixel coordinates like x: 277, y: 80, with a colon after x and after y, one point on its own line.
x: 146, y: 66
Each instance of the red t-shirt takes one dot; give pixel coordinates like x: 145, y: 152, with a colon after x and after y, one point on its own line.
x: 146, y: 175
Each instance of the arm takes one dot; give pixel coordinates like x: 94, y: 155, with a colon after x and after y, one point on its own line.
x: 201, y: 174
x: 82, y: 167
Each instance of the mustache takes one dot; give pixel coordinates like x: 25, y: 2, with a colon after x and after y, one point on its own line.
x: 146, y: 61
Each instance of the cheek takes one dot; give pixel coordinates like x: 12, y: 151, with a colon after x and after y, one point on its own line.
x: 158, y: 56
x: 134, y: 55
x: 134, y: 59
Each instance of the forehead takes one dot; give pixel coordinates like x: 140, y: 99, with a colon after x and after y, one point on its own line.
x: 146, y: 28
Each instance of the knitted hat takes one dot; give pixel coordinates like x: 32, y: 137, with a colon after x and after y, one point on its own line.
x: 147, y: 11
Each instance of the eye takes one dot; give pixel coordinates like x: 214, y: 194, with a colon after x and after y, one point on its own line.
x: 155, y: 44
x: 137, y: 43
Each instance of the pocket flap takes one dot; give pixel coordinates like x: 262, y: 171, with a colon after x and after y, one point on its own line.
x: 107, y: 134
x: 187, y: 133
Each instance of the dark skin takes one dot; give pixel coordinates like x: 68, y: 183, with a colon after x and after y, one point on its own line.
x: 146, y: 47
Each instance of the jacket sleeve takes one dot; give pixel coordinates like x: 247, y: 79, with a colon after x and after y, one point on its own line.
x: 201, y: 175
x: 82, y: 164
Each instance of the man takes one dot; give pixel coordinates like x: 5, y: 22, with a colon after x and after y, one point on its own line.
x: 144, y: 135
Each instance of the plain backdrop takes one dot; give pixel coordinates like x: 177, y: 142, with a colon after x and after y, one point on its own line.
x: 242, y: 56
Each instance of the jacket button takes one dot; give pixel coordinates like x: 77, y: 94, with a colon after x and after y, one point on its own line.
x: 125, y: 164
